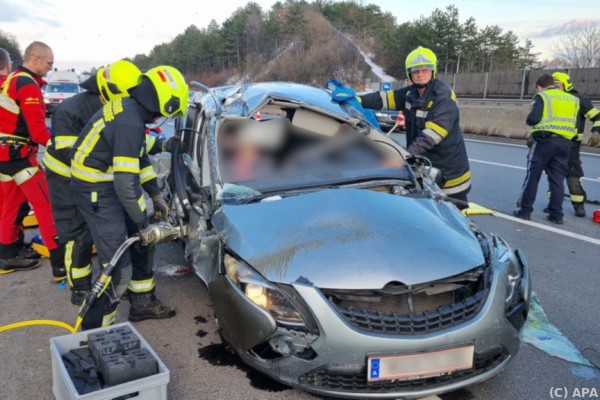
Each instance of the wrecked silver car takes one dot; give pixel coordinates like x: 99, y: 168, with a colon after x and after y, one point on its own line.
x: 333, y: 261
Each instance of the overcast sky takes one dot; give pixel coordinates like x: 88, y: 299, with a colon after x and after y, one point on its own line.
x: 85, y: 34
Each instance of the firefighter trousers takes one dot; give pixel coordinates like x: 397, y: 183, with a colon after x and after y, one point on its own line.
x: 576, y: 190
x: 73, y: 232
x: 552, y: 156
x: 24, y: 179
x: 110, y: 225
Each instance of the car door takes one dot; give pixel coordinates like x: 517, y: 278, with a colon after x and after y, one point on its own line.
x: 194, y: 193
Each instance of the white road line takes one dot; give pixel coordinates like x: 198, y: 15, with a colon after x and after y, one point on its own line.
x: 521, y: 145
x: 549, y: 228
x: 597, y: 180
x: 498, y: 164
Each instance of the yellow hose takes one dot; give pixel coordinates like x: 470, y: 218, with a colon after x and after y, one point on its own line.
x: 32, y: 322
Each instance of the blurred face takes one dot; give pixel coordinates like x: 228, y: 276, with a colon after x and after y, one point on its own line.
x: 421, y: 76
x: 41, y: 62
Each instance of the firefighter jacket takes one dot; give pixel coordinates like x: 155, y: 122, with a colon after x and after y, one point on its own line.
x: 432, y: 128
x: 553, y: 112
x: 22, y: 124
x: 68, y: 120
x: 110, y: 155
x: 586, y: 111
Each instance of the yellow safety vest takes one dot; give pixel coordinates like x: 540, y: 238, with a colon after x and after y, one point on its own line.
x: 560, y: 113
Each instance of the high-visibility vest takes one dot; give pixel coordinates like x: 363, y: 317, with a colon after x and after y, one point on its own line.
x: 560, y: 113
x: 12, y: 147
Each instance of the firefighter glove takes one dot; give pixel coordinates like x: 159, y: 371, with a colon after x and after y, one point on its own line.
x: 148, y: 236
x: 169, y: 144
x: 161, y: 208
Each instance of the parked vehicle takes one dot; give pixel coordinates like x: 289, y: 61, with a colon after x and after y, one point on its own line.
x: 61, y: 85
x: 339, y: 268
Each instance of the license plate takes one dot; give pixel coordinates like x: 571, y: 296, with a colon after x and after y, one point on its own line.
x: 420, y: 365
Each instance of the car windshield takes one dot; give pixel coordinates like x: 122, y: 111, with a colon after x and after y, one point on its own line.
x: 258, y: 159
x: 62, y: 87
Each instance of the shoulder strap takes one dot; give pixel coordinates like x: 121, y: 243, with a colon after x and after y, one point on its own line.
x: 5, y: 101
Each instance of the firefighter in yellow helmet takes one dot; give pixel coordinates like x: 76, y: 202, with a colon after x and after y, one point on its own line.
x: 68, y: 120
x: 107, y: 178
x: 577, y: 193
x: 432, y: 121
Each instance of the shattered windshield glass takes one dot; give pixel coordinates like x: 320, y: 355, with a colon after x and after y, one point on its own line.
x: 272, y: 150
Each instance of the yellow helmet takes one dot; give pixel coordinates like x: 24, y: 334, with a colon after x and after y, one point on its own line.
x: 115, y: 80
x: 421, y: 58
x: 564, y: 79
x: 171, y: 89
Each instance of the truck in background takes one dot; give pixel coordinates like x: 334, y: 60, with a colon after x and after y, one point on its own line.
x: 61, y: 85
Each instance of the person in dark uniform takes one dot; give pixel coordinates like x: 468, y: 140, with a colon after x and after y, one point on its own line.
x: 587, y: 110
x: 68, y: 119
x: 432, y: 122
x: 552, y: 118
x: 108, y: 167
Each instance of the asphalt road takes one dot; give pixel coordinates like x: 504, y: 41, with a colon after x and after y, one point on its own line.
x: 563, y: 260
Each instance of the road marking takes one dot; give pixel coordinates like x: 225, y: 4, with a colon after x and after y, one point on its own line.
x: 597, y: 180
x: 498, y: 164
x: 550, y: 229
x: 585, y: 153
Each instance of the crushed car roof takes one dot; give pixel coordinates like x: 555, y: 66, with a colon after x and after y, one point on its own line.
x: 245, y: 99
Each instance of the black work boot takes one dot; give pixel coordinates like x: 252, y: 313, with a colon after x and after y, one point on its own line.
x: 57, y: 261
x: 142, y: 309
x: 17, y: 264
x: 27, y: 253
x: 579, y: 209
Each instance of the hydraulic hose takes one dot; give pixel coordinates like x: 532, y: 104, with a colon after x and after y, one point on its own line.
x: 33, y: 322
x: 103, y: 280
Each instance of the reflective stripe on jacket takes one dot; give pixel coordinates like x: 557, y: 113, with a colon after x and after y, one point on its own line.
x: 28, y: 124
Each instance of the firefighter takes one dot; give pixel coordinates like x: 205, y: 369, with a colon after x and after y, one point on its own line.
x: 22, y: 130
x: 432, y: 122
x: 553, y: 119
x: 68, y: 119
x: 577, y: 193
x: 108, y: 166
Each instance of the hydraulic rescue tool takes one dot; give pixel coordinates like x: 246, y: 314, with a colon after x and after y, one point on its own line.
x: 160, y: 232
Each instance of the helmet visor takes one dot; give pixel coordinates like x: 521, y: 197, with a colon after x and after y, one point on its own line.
x: 427, y: 67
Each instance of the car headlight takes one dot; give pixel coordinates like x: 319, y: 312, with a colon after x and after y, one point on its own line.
x: 46, y: 100
x: 262, y: 293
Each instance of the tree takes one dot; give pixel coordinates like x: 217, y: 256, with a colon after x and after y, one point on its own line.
x: 9, y: 43
x: 580, y: 46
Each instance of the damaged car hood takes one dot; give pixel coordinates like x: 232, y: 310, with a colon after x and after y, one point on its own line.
x: 351, y: 238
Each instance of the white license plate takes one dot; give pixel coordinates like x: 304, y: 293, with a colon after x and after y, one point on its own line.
x: 420, y: 365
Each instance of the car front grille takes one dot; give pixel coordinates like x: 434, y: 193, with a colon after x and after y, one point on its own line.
x: 409, y: 311
x: 356, y: 381
x: 427, y: 321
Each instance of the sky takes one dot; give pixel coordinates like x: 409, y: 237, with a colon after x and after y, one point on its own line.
x: 85, y: 34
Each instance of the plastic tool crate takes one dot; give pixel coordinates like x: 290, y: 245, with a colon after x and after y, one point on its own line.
x: 153, y: 387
